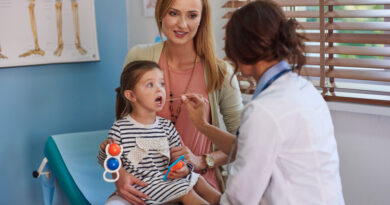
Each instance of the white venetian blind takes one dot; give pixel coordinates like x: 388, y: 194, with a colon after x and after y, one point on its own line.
x: 348, y: 47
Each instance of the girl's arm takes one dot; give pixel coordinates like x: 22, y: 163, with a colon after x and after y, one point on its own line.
x: 112, y: 137
x: 125, y: 183
x: 179, y: 173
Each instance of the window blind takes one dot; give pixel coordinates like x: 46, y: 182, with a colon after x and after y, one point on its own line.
x: 347, y: 47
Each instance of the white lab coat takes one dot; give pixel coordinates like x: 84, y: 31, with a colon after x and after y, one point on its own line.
x: 287, y: 153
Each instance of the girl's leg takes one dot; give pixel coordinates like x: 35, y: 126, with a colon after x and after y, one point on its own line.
x: 192, y: 198
x: 116, y: 200
x: 206, y: 191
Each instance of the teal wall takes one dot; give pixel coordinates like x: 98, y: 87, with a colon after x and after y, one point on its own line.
x: 39, y: 101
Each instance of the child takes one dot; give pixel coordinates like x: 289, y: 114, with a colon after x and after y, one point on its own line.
x: 147, y: 139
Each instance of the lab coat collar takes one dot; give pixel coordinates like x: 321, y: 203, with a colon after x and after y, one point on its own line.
x: 269, y: 76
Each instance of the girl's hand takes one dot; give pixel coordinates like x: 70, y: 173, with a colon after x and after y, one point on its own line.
x: 180, y: 173
x: 196, y: 161
x: 196, y: 107
x: 105, y: 143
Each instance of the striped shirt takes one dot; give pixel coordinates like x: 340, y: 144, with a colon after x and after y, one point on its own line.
x: 146, y: 156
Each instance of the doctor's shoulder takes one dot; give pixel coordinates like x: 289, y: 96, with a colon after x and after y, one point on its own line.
x: 255, y: 109
x: 274, y: 102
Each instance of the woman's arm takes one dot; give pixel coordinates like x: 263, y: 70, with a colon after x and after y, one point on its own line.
x: 230, y: 106
x: 230, y: 101
x: 223, y: 140
x: 195, y: 106
x: 199, y: 162
x: 125, y: 187
x: 220, y: 158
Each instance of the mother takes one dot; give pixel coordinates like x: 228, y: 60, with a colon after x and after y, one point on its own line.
x: 190, y: 66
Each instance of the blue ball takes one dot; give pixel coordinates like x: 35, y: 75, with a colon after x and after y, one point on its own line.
x: 112, y: 163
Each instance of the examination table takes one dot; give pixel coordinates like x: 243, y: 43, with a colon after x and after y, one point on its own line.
x: 71, y: 160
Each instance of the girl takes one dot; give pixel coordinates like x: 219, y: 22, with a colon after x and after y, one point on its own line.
x: 286, y: 151
x: 147, y: 140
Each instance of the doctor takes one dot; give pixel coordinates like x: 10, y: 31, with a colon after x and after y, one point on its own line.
x: 286, y: 151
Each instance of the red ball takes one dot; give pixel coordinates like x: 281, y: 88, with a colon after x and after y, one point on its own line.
x: 114, y: 149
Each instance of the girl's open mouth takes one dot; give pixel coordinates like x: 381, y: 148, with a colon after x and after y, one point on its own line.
x: 159, y: 100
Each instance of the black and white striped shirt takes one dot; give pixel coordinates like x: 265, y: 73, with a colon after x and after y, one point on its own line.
x: 146, y: 156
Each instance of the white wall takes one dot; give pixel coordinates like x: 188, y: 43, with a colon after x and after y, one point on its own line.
x: 140, y: 29
x: 362, y: 132
x: 364, y: 149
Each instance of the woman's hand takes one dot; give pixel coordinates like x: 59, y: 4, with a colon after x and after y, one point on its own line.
x: 105, y: 143
x: 180, y: 173
x: 126, y: 190
x: 195, y: 105
x: 196, y: 161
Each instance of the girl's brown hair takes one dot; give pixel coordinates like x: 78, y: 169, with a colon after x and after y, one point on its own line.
x: 203, y: 43
x: 130, y: 76
x: 259, y: 31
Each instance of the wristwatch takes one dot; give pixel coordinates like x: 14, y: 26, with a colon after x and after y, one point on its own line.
x: 209, y: 161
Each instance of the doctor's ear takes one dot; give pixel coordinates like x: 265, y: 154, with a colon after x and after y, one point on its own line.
x: 129, y: 95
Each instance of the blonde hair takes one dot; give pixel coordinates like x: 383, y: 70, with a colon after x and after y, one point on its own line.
x: 203, y: 43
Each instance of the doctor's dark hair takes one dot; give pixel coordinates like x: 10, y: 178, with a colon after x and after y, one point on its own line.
x: 130, y: 76
x: 259, y: 31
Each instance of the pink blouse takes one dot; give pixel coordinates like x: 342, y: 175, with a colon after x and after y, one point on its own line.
x: 198, y: 143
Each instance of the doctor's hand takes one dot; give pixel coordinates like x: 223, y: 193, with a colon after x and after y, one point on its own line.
x: 126, y: 190
x: 189, y: 157
x: 196, y: 107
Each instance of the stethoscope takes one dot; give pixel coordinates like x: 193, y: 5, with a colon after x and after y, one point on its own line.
x: 266, y: 85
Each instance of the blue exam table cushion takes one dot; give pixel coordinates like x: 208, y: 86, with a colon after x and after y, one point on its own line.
x: 72, y: 157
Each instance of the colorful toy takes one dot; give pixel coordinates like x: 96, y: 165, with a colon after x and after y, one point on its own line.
x: 178, y: 164
x: 113, y: 162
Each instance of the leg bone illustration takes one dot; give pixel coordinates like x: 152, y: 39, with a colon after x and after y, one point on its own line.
x: 77, y: 27
x: 76, y: 24
x: 58, y: 52
x: 36, y: 50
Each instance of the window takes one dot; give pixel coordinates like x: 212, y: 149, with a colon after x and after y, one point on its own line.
x: 348, y: 47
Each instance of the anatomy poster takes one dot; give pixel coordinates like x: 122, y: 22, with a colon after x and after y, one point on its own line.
x: 47, y: 31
